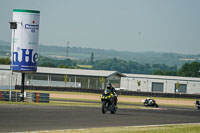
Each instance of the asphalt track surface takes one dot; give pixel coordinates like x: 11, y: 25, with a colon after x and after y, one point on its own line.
x: 19, y: 118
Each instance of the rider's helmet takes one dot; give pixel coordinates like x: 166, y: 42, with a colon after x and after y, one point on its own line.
x: 109, y: 86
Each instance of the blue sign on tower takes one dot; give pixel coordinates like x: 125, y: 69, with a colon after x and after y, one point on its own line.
x: 25, y: 40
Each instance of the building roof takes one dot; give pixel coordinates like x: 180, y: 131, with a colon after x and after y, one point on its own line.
x: 102, y: 73
x: 4, y: 67
x: 161, y: 77
x: 77, y: 72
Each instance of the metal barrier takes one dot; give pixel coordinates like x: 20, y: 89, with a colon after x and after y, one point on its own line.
x: 28, y: 97
x: 125, y: 92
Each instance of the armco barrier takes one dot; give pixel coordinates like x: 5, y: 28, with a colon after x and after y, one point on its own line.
x: 29, y: 97
x: 99, y: 91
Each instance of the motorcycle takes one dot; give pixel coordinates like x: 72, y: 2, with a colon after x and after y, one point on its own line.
x: 150, y: 102
x: 108, y: 102
x: 197, y: 104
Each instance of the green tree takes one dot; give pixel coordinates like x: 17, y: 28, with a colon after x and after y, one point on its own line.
x: 5, y: 61
x: 190, y: 70
x: 168, y: 73
x: 47, y: 64
x: 138, y: 83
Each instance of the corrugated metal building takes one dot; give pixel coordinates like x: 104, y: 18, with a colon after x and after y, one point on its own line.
x: 97, y: 79
x: 45, y: 76
x: 165, y: 84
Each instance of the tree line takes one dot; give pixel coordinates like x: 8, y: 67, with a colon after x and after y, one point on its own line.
x: 114, y: 64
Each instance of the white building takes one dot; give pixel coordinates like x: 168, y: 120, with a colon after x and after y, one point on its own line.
x: 60, y: 77
x: 97, y: 79
x: 165, y: 84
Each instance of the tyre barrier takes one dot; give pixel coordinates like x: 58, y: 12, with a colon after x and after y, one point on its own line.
x: 37, y: 97
x: 40, y: 97
x: 5, y: 96
x: 28, y: 97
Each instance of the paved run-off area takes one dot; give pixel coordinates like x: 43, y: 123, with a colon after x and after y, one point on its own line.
x: 17, y: 118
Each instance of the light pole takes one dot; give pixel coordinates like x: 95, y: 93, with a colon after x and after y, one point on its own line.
x: 13, y: 26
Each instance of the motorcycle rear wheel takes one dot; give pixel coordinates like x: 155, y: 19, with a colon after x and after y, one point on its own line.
x: 156, y: 105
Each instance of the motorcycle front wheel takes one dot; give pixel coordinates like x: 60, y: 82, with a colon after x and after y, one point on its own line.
x: 112, y: 112
x: 103, y: 108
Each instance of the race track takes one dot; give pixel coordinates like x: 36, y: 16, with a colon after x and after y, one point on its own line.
x: 18, y: 118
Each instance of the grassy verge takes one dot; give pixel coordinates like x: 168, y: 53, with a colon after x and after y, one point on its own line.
x: 191, y: 128
x: 54, y: 103
x: 120, y: 102
x: 56, y: 92
x: 24, y: 103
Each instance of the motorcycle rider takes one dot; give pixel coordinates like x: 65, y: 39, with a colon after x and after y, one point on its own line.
x: 150, y: 101
x: 113, y: 91
x: 197, y: 102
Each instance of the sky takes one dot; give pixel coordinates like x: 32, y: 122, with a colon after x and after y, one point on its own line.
x: 123, y: 25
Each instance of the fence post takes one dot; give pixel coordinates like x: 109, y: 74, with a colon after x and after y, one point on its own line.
x: 22, y: 87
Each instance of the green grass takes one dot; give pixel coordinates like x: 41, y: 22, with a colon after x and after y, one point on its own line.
x: 187, y: 128
x: 62, y: 92
x: 122, y: 102
x: 56, y: 92
x: 24, y: 103
x: 85, y: 66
